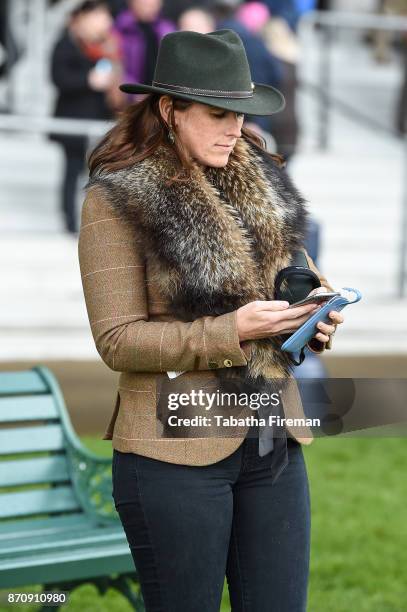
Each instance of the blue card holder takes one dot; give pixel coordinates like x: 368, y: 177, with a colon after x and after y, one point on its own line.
x: 307, y: 331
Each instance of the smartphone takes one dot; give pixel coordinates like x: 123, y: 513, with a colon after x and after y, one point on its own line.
x: 104, y: 65
x: 317, y: 298
x: 304, y: 333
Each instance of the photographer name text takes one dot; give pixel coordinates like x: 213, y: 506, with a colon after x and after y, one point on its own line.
x: 231, y: 421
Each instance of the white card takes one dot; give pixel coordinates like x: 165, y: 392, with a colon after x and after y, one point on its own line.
x: 174, y: 374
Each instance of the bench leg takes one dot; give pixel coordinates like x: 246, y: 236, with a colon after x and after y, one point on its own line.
x: 63, y: 586
x: 123, y: 585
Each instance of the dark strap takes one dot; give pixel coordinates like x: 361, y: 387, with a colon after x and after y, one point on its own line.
x: 301, y: 358
x: 285, y: 274
x: 300, y: 269
x: 299, y: 259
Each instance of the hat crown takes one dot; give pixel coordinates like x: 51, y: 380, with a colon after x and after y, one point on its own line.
x: 214, y: 61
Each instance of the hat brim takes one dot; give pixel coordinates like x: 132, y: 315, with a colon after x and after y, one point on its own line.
x: 266, y: 100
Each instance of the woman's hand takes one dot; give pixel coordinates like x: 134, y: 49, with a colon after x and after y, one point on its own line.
x: 262, y: 319
x: 325, y: 329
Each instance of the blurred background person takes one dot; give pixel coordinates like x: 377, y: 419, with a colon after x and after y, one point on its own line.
x: 323, y: 5
x: 383, y: 42
x: 292, y: 10
x: 197, y: 19
x: 264, y: 67
x: 401, y: 111
x: 141, y: 28
x: 9, y: 52
x: 86, y: 71
x: 383, y: 38
x: 286, y: 9
x: 282, y: 43
x: 116, y: 6
x: 173, y: 9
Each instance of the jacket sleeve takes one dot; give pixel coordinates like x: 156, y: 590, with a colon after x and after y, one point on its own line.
x: 315, y: 345
x: 114, y: 284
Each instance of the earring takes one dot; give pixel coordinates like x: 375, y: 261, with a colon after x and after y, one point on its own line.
x: 171, y: 135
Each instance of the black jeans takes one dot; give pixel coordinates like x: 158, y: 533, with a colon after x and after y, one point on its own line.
x: 74, y: 166
x: 188, y: 526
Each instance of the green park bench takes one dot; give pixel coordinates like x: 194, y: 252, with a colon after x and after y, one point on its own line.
x: 58, y: 524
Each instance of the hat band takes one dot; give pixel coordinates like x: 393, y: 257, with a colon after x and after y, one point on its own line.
x: 213, y: 93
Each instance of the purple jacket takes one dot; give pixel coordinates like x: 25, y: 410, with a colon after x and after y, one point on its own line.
x: 133, y: 43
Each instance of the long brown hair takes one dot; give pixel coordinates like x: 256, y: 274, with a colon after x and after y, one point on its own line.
x: 140, y: 130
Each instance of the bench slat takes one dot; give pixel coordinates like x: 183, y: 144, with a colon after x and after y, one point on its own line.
x: 34, y: 470
x: 98, y: 537
x: 16, y: 383
x: 47, y: 501
x: 28, y: 439
x: 83, y: 562
x: 27, y: 408
x: 22, y: 528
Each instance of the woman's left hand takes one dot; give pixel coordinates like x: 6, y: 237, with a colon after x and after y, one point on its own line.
x: 325, y: 329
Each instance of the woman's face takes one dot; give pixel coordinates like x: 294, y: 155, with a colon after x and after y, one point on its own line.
x: 208, y: 134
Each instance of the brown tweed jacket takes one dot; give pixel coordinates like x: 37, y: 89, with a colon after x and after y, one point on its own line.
x: 136, y: 334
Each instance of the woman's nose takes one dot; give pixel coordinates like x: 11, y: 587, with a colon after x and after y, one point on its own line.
x: 235, y: 125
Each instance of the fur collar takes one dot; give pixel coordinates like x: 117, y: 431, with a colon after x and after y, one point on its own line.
x: 218, y: 240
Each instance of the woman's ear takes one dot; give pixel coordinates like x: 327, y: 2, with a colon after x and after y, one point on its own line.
x: 164, y: 104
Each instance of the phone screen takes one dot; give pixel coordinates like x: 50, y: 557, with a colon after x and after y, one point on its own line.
x: 318, y: 298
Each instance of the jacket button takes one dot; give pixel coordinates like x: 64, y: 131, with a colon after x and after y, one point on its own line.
x: 227, y: 363
x: 212, y: 364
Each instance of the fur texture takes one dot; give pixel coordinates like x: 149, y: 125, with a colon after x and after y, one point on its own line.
x: 218, y: 240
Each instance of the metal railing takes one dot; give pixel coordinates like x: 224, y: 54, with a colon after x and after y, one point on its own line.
x: 47, y: 125
x: 328, y: 23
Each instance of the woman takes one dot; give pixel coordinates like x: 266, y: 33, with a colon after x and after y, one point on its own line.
x: 185, y: 224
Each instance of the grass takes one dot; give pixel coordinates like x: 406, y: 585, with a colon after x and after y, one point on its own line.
x: 359, y: 530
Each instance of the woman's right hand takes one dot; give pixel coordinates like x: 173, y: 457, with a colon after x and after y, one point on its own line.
x: 262, y: 319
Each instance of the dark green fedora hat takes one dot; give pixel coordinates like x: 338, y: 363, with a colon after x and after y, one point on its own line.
x: 211, y: 69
